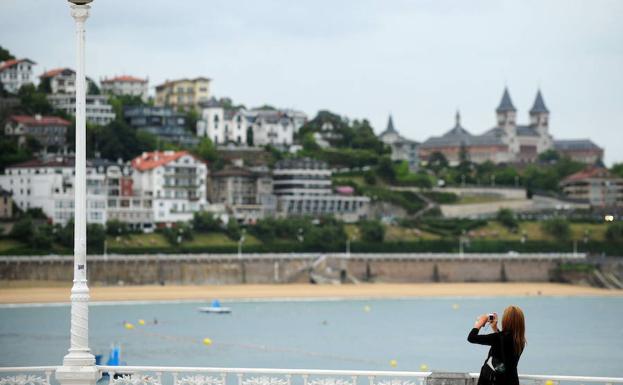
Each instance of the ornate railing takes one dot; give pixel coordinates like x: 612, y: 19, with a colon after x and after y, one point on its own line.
x: 29, y: 375
x: 157, y: 375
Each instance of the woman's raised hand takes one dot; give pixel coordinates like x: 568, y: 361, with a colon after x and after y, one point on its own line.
x: 481, y: 321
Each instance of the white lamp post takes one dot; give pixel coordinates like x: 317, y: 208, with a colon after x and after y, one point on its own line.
x: 79, y: 364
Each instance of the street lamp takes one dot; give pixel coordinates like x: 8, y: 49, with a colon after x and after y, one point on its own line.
x: 79, y: 364
x: 240, y: 242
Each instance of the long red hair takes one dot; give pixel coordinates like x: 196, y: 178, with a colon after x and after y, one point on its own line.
x: 514, y: 322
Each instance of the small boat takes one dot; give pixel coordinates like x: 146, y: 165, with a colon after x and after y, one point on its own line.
x: 215, y: 308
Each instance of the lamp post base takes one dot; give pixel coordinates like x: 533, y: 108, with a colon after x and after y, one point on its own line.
x: 77, y: 375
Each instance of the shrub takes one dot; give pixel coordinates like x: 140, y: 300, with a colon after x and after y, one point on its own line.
x: 507, y: 218
x: 614, y: 232
x: 115, y: 227
x: 558, y: 228
x: 372, y: 231
x: 22, y: 230
x: 205, y: 222
x: 175, y: 235
x: 233, y: 229
x: 441, y: 197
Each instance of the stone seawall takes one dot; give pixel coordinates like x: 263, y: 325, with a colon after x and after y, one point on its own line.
x: 287, y: 268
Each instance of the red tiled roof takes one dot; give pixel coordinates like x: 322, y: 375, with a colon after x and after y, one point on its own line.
x: 151, y: 160
x: 11, y: 63
x: 54, y: 72
x: 60, y: 162
x: 39, y: 120
x: 124, y: 78
x: 587, y: 173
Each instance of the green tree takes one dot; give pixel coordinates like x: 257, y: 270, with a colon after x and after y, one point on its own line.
x: 617, y: 169
x: 92, y: 88
x: 507, y: 218
x: 206, y: 150
x: 42, y: 238
x: 96, y: 235
x: 386, y: 170
x: 33, y: 101
x: 206, y: 222
x: 372, y: 231
x: 22, y: 229
x: 5, y: 54
x: 233, y: 229
x: 309, y: 143
x: 549, y: 156
x: 437, y: 161
x: 558, y: 228
x: 250, y: 138
x: 115, y: 227
x: 614, y: 232
x: 369, y: 178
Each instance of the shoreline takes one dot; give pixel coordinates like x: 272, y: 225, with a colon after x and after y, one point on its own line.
x: 55, y: 294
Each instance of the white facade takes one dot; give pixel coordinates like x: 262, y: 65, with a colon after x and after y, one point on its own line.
x: 176, y: 182
x: 98, y: 110
x: 50, y: 186
x: 62, y: 80
x: 223, y: 126
x: 16, y: 73
x: 126, y: 85
x: 274, y: 127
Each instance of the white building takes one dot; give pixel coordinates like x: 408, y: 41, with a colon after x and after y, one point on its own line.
x: 15, y: 73
x: 61, y: 80
x: 303, y: 187
x: 268, y: 126
x: 403, y: 149
x: 176, y: 182
x: 48, y: 184
x: 49, y: 131
x: 126, y: 85
x: 98, y: 110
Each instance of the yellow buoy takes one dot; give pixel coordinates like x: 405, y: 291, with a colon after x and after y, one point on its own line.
x: 455, y: 306
x: 423, y: 367
x: 549, y: 382
x: 141, y: 322
x: 128, y: 326
x: 367, y: 308
x: 207, y: 341
x: 393, y: 363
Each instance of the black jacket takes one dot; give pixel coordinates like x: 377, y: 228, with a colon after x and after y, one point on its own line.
x: 494, y: 340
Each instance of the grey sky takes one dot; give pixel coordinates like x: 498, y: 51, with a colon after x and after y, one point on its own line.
x: 419, y: 60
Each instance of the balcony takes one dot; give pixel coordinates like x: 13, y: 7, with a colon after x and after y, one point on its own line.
x: 162, y: 375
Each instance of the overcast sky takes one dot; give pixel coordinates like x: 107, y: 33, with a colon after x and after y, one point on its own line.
x: 419, y: 60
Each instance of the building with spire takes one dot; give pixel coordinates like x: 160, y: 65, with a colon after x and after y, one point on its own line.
x: 508, y: 142
x: 402, y: 148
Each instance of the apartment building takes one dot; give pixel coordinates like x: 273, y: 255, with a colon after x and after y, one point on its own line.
x: 174, y: 180
x: 126, y: 85
x: 595, y: 185
x: 49, y: 184
x: 267, y: 126
x: 186, y: 94
x: 59, y: 81
x: 246, y: 192
x: 163, y: 122
x: 303, y: 187
x: 15, y: 73
x: 49, y: 131
x: 98, y: 110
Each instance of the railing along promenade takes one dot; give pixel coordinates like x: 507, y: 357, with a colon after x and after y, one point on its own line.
x: 297, y: 256
x: 160, y: 375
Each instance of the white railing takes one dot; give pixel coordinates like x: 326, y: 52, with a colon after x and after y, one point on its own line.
x: 27, y: 375
x: 158, y: 375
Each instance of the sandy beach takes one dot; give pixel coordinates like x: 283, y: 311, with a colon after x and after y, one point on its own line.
x: 17, y: 293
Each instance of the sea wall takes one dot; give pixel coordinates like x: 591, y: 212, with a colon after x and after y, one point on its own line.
x: 289, y: 268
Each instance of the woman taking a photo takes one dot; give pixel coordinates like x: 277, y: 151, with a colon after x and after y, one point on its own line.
x: 500, y: 367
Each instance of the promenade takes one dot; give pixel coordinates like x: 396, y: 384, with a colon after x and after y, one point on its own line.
x: 25, y: 292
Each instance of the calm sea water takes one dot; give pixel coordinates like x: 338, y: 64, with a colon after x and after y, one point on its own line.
x: 574, y: 336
